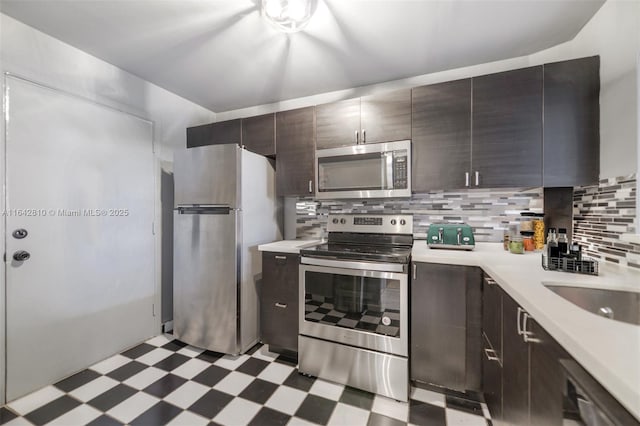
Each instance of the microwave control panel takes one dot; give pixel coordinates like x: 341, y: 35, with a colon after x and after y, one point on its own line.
x: 399, y: 169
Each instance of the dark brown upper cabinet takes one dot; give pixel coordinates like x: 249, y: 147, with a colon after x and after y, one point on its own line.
x: 572, y: 122
x: 383, y: 117
x: 338, y: 124
x: 295, y: 152
x: 506, y: 125
x: 259, y: 134
x: 441, y: 129
x: 386, y: 117
x: 215, y: 134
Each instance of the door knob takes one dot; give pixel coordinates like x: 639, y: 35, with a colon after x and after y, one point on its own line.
x: 21, y: 255
x: 20, y: 233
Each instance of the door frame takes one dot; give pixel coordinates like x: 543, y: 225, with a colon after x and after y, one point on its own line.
x: 157, y: 212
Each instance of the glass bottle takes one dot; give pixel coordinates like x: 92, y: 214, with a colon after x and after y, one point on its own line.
x: 552, y: 244
x: 563, y: 242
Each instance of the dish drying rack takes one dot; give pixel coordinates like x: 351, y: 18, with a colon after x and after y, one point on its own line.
x: 585, y: 266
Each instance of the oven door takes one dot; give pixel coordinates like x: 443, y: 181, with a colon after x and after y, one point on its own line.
x: 358, y: 307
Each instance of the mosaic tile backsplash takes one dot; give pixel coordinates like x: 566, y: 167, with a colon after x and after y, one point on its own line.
x: 601, y: 214
x: 488, y: 211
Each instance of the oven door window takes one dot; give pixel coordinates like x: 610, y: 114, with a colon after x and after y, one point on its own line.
x: 354, y: 302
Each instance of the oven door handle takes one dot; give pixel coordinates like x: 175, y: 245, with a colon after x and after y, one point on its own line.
x: 347, y: 264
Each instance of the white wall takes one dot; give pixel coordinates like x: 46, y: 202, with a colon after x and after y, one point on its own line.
x: 33, y: 55
x: 613, y: 33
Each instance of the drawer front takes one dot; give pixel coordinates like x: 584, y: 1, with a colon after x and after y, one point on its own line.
x: 280, y: 276
x: 279, y: 323
x: 372, y: 371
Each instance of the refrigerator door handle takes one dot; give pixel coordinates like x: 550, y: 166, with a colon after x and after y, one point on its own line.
x: 203, y: 209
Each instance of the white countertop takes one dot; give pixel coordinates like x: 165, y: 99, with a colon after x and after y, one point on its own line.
x: 288, y: 246
x: 609, y: 350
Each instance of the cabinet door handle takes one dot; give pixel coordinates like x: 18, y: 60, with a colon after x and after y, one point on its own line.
x: 519, y: 313
x: 415, y: 271
x: 310, y: 186
x: 526, y: 334
x: 490, y: 281
x: 466, y: 178
x: 491, y: 355
x: 477, y: 178
x: 280, y: 257
x: 364, y: 136
x: 357, y: 138
x: 280, y: 305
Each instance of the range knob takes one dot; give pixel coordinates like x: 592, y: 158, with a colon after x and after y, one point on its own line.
x: 343, y: 221
x: 403, y: 222
x: 335, y: 220
x: 393, y: 221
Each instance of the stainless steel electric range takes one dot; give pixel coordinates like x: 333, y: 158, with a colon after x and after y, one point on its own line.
x: 354, y: 304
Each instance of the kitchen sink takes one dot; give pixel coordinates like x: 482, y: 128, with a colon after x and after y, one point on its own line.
x: 617, y: 305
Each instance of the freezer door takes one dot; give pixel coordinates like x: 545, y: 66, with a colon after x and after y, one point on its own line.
x: 205, y: 279
x: 207, y: 175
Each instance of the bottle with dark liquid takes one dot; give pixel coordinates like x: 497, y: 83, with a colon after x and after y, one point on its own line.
x: 575, y: 251
x: 552, y: 244
x: 563, y: 242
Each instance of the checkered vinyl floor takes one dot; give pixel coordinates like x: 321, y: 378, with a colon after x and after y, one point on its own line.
x: 163, y: 381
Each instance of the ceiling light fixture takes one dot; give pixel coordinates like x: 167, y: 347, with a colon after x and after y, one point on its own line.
x: 289, y: 16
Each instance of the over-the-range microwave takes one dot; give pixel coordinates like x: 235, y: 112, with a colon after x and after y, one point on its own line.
x: 381, y: 170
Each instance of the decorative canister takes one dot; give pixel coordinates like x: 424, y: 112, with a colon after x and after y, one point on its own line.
x: 538, y: 231
x: 527, y: 240
x: 516, y: 246
x: 526, y: 222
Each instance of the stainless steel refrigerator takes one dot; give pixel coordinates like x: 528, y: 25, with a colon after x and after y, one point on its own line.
x: 225, y: 205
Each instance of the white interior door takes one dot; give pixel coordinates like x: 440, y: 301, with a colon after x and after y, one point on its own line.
x: 80, y: 181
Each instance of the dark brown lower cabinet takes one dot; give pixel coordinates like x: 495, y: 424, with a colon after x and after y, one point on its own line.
x: 279, y: 301
x: 446, y: 326
x: 515, y: 366
x: 547, y: 381
x: 492, y: 346
x: 492, y: 381
x: 522, y: 378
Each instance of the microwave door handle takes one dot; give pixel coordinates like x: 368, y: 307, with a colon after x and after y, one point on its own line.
x: 389, y: 171
x: 383, y: 170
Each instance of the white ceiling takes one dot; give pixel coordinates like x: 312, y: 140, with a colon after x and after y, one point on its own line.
x: 222, y: 55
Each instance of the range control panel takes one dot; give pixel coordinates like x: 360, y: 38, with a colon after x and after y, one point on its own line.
x: 371, y: 223
x: 367, y: 220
